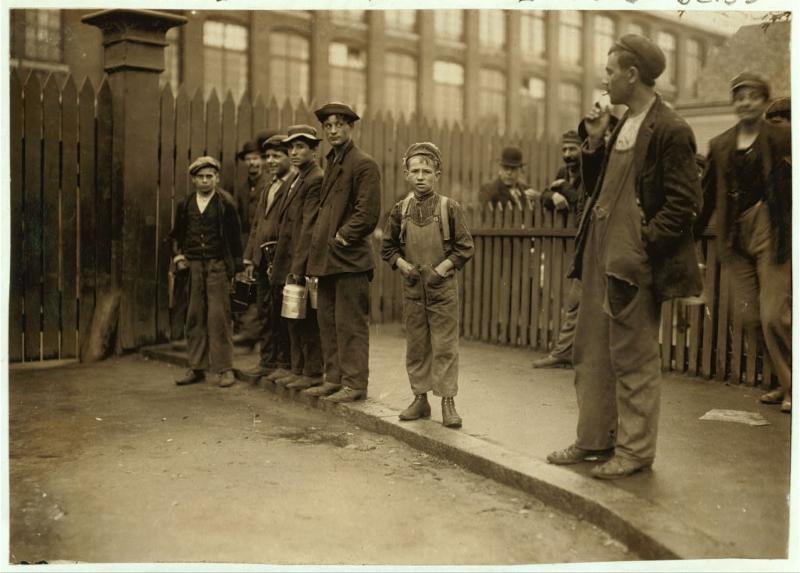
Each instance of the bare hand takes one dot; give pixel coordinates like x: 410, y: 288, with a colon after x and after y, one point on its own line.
x: 559, y: 201
x: 596, y: 122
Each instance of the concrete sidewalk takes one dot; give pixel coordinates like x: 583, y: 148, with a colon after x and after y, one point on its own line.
x: 717, y: 489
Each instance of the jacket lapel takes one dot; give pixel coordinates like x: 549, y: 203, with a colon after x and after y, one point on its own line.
x: 644, y: 136
x: 331, y: 174
x: 288, y: 199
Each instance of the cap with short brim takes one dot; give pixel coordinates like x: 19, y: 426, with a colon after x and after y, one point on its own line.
x: 203, y: 162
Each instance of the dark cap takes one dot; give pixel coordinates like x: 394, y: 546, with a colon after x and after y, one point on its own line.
x: 251, y: 146
x: 750, y: 80
x: 781, y: 107
x: 202, y: 162
x: 511, y: 157
x: 571, y: 136
x: 337, y: 108
x: 426, y: 149
x: 650, y: 58
x: 613, y: 120
x: 276, y: 142
x: 262, y: 136
x: 301, y: 132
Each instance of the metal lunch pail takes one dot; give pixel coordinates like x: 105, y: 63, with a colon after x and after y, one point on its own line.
x: 294, y: 302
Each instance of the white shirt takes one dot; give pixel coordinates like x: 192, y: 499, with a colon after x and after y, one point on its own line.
x: 202, y: 202
x: 626, y: 138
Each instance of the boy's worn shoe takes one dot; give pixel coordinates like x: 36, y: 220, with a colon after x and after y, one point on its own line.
x: 288, y: 379
x: 550, y: 361
x: 191, y: 377
x: 786, y: 405
x: 278, y: 373
x: 323, y: 390
x: 619, y: 467
x: 450, y: 418
x: 258, y: 371
x: 303, y: 382
x: 226, y: 379
x: 575, y: 455
x: 419, y: 408
x: 772, y: 397
x: 347, y: 394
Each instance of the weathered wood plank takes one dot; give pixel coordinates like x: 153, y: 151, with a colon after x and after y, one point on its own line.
x: 51, y: 232
x: 166, y: 181
x: 109, y: 210
x: 213, y: 127
x: 33, y: 217
x: 87, y: 217
x: 16, y: 310
x: 69, y: 220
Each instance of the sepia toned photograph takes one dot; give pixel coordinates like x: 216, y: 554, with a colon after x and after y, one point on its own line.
x: 381, y: 283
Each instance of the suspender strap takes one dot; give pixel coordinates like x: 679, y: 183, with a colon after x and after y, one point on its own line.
x: 444, y: 219
x: 405, y: 212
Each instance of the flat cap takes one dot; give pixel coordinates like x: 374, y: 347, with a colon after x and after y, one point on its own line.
x: 251, y: 146
x: 424, y: 148
x: 277, y: 141
x: 301, y: 132
x: 780, y: 107
x: 750, y: 80
x: 337, y: 108
x: 202, y: 162
x: 262, y: 136
x: 651, y: 60
x: 571, y: 136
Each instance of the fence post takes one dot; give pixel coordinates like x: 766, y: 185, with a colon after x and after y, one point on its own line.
x: 133, y: 58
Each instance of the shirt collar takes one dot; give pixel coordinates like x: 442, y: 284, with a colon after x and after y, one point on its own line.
x: 334, y: 158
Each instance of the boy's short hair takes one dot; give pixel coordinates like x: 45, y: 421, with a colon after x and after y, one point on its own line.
x: 425, y: 149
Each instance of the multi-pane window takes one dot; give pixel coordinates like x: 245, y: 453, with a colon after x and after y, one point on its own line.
x: 493, y: 98
x: 492, y: 29
x: 604, y: 37
x: 669, y: 44
x: 349, y: 16
x: 570, y: 37
x: 172, y: 60
x: 569, y: 105
x: 449, y: 25
x: 533, y: 36
x: 695, y: 60
x: 448, y: 90
x: 401, y: 20
x: 43, y: 35
x: 401, y: 84
x: 532, y: 98
x: 289, y: 66
x: 225, y: 61
x: 348, y: 66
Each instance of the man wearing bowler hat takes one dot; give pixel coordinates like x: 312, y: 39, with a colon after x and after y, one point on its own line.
x: 634, y: 249
x: 207, y: 242
x: 509, y: 185
x: 258, y: 259
x: 340, y: 255
x: 297, y: 215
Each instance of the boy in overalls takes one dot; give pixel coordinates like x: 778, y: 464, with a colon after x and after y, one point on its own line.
x: 427, y: 240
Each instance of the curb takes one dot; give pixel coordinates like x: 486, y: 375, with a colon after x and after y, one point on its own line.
x: 648, y: 530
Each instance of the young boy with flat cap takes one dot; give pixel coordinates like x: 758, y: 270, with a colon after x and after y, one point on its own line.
x: 427, y: 240
x: 207, y: 241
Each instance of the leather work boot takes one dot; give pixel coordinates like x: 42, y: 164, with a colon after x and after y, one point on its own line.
x: 323, y: 390
x: 450, y: 418
x: 285, y: 380
x: 786, y: 405
x: 772, y: 397
x: 346, y: 394
x: 618, y: 467
x: 191, y: 377
x: 574, y: 455
x: 419, y: 408
x: 258, y: 371
x: 226, y: 379
x: 278, y: 373
x: 303, y: 382
x: 550, y: 361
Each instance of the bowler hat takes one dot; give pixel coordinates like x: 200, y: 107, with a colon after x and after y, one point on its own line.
x: 337, y: 108
x: 613, y: 120
x: 251, y: 146
x: 262, y: 136
x: 511, y: 157
x: 750, y: 80
x: 650, y: 58
x: 202, y: 162
x: 301, y: 132
x: 277, y: 141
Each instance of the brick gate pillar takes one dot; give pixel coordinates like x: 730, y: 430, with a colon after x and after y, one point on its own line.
x: 133, y: 58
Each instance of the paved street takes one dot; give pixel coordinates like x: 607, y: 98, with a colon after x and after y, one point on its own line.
x: 112, y: 462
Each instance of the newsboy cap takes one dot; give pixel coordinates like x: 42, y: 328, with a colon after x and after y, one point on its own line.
x: 338, y: 108
x: 571, y: 136
x: 301, y: 132
x: 750, y: 80
x: 511, y: 157
x: 202, y: 162
x: 251, y: 146
x: 262, y: 136
x: 277, y: 141
x: 781, y: 107
x: 651, y: 60
x: 426, y: 149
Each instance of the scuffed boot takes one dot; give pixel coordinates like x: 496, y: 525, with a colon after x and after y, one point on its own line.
x: 450, y: 418
x: 419, y: 408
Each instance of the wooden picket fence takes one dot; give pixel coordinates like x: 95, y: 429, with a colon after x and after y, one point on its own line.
x: 62, y: 211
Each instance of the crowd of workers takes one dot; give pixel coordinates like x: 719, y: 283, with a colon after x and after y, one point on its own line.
x: 642, y: 196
